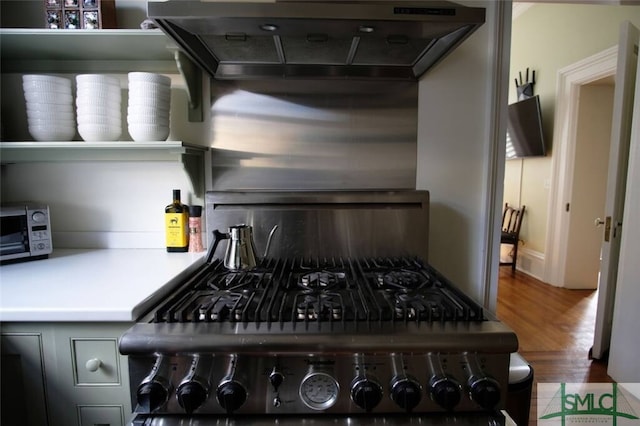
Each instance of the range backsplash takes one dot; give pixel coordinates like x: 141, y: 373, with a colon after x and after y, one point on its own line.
x: 310, y: 135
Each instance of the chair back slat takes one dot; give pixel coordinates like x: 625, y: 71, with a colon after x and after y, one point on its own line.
x: 512, y: 219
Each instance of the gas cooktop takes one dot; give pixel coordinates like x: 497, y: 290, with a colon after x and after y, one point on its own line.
x: 307, y: 292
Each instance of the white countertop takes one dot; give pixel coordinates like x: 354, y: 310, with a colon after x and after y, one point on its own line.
x: 91, y: 284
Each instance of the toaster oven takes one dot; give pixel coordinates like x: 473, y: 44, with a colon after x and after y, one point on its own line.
x: 25, y: 232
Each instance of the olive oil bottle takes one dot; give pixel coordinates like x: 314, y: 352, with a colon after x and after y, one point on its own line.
x: 176, y: 221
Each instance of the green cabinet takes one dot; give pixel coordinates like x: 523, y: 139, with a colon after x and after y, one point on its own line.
x: 64, y: 374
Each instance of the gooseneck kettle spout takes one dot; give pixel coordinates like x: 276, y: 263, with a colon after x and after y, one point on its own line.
x: 240, y: 254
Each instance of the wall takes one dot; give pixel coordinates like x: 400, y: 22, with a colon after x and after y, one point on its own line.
x: 460, y: 161
x: 461, y: 128
x: 546, y: 38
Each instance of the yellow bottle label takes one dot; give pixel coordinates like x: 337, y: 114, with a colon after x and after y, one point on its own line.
x: 175, y: 225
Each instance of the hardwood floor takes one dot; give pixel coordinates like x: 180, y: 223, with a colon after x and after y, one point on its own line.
x: 554, y: 327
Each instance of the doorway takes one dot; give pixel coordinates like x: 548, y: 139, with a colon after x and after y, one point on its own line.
x: 588, y: 193
x: 593, y: 70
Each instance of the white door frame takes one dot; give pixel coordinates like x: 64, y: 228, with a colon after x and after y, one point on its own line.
x: 570, y: 79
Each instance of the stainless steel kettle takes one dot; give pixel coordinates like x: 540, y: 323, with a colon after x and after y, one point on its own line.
x: 241, y: 249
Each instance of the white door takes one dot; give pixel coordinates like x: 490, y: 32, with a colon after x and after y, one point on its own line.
x: 625, y: 345
x: 616, y: 183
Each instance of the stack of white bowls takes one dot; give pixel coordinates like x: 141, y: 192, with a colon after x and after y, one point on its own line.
x: 98, y: 103
x: 149, y: 106
x: 49, y: 107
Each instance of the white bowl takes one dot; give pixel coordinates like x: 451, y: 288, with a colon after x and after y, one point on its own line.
x: 148, y: 85
x: 87, y: 79
x: 87, y: 112
x: 149, y: 98
x: 159, y: 105
x: 164, y: 104
x: 95, y: 132
x: 51, y: 115
x: 149, y: 88
x: 49, y: 98
x: 100, y: 120
x: 149, y: 77
x: 46, y: 121
x: 162, y: 120
x: 148, y: 119
x: 148, y: 132
x: 48, y: 78
x: 100, y: 95
x: 98, y: 104
x: 149, y: 109
x: 49, y: 108
x: 35, y: 87
x: 52, y: 132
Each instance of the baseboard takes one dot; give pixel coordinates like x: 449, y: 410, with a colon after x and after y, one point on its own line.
x: 531, y: 262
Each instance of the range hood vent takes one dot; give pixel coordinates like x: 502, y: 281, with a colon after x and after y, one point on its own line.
x: 397, y: 40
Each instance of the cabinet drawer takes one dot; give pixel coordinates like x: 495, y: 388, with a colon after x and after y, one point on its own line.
x: 95, y: 361
x: 101, y: 415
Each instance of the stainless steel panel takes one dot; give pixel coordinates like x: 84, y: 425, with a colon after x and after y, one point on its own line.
x: 328, y: 223
x: 252, y: 372
x: 300, y: 338
x: 473, y: 419
x: 220, y: 36
x: 305, y: 135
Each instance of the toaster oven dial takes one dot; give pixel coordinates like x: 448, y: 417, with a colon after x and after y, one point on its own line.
x: 405, y: 392
x: 366, y: 393
x: 319, y: 390
x: 38, y: 216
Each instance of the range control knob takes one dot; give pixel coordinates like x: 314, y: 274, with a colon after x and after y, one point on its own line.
x: 154, y: 390
x: 484, y: 391
x: 276, y: 378
x: 151, y: 396
x: 445, y: 392
x: 366, y: 393
x: 231, y: 395
x: 191, y: 395
x: 406, y: 393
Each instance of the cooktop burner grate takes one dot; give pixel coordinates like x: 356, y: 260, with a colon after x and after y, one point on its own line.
x: 308, y: 291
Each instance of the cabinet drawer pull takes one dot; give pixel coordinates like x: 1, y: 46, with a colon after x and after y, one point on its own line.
x: 93, y: 364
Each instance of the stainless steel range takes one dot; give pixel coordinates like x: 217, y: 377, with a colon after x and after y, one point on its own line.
x: 343, y: 322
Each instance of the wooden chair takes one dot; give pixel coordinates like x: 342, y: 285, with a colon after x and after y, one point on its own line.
x: 511, y: 223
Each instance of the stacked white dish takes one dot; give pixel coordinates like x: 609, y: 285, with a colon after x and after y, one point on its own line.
x: 49, y: 107
x: 149, y: 107
x: 98, y: 104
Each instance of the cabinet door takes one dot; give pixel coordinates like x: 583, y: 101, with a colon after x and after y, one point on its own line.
x: 101, y: 416
x: 22, y: 375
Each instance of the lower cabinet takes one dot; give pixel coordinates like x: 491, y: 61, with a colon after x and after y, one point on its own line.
x: 63, y: 374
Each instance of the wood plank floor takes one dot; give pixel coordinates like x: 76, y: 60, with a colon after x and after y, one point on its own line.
x: 554, y: 327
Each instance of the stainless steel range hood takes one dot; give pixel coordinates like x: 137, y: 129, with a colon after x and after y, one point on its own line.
x: 332, y: 39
